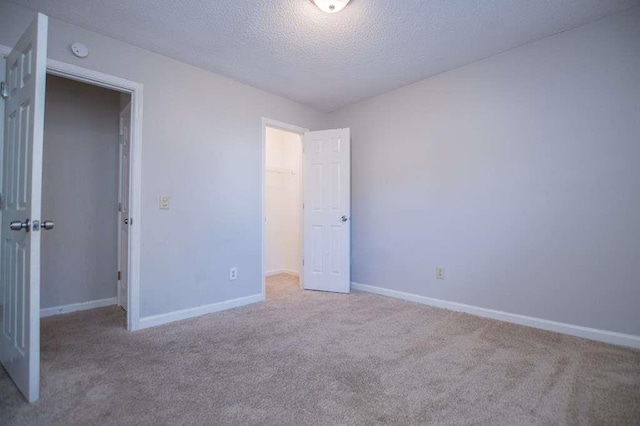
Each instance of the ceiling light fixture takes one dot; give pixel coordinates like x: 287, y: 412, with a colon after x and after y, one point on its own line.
x: 331, y: 6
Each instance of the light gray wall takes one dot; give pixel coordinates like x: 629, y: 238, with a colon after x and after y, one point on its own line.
x: 202, y: 139
x: 519, y: 174
x: 80, y: 193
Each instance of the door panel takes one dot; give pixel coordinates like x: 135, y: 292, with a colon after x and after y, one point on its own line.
x: 327, y: 243
x: 22, y: 189
x: 125, y: 147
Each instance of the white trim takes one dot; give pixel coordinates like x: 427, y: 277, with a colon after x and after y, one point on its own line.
x: 96, y: 78
x: 155, y: 320
x: 86, y: 75
x: 3, y: 61
x: 282, y: 271
x: 74, y: 307
x: 267, y: 122
x: 558, y: 327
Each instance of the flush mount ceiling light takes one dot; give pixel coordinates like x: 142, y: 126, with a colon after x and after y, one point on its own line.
x: 331, y: 6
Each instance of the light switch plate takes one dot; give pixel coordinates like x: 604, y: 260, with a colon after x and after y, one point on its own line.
x: 440, y: 273
x: 165, y: 200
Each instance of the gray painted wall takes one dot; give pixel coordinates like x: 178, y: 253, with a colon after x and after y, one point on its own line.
x: 80, y: 193
x: 202, y: 146
x: 519, y: 174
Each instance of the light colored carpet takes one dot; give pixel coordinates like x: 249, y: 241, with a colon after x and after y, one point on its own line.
x: 318, y: 358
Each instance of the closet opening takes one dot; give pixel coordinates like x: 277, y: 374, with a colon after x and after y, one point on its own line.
x: 85, y: 189
x: 283, y: 212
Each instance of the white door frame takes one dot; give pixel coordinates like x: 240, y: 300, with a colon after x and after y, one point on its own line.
x: 126, y: 109
x: 275, y: 124
x: 84, y: 75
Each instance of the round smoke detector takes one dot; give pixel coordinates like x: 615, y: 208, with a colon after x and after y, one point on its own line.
x: 80, y: 50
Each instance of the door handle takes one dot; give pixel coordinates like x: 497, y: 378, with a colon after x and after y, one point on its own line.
x: 126, y: 221
x: 344, y: 219
x: 17, y: 225
x: 47, y: 224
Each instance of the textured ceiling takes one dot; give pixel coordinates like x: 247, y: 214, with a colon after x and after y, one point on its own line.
x: 291, y: 48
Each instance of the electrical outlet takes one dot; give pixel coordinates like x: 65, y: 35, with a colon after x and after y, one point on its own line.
x: 440, y: 273
x: 233, y: 274
x: 165, y: 200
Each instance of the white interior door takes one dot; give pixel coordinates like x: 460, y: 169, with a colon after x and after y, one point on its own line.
x: 125, y: 144
x: 327, y: 210
x: 21, y: 204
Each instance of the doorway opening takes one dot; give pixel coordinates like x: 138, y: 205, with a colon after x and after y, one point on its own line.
x: 283, y: 198
x: 321, y: 212
x: 85, y: 189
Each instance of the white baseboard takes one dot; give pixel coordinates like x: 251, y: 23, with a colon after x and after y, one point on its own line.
x: 155, y: 320
x: 574, y: 330
x: 57, y: 310
x: 282, y: 271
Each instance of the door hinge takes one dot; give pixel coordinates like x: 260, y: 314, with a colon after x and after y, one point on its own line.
x: 4, y: 91
x: 119, y: 206
x: 119, y: 275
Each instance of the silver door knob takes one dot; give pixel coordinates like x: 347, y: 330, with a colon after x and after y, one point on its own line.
x: 344, y: 219
x: 16, y: 225
x: 126, y: 221
x: 47, y: 224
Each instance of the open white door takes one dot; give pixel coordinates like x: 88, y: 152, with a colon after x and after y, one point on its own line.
x: 22, y: 194
x: 327, y: 210
x: 123, y: 249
